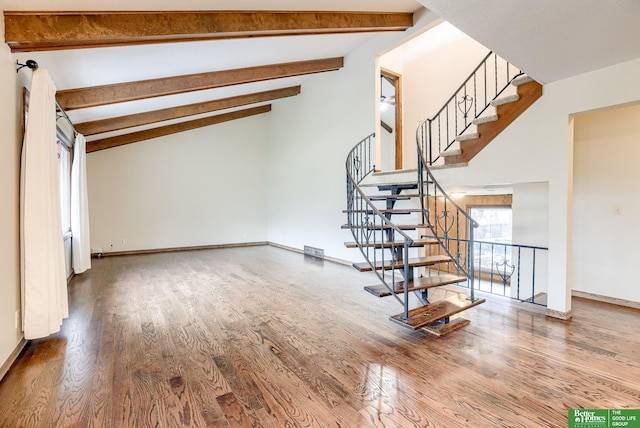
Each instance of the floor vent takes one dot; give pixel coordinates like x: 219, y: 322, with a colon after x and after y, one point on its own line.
x: 314, y: 252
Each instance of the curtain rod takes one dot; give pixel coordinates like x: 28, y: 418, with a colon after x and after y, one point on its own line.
x: 33, y: 65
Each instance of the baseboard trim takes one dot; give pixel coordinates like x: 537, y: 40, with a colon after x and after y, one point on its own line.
x: 606, y: 299
x: 4, y: 369
x: 215, y: 247
x: 301, y: 251
x: 175, y: 249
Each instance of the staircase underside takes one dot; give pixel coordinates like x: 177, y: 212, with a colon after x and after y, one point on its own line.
x: 528, y: 93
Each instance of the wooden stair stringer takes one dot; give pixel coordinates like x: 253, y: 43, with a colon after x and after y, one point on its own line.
x: 507, y: 113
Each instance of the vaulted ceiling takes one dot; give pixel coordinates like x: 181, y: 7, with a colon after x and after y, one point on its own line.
x: 127, y: 76
x: 130, y: 73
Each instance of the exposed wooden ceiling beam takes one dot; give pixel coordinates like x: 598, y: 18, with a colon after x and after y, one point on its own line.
x: 27, y: 31
x: 134, y: 137
x: 71, y: 99
x: 122, y: 122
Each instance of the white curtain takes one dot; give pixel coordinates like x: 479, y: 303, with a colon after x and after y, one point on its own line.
x: 44, y: 283
x: 81, y: 252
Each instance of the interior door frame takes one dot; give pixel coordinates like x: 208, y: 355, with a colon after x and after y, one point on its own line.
x: 396, y: 80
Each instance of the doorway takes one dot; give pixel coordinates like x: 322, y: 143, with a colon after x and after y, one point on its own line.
x: 391, y: 119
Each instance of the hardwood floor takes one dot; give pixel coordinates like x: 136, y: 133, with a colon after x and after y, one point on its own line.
x: 260, y: 336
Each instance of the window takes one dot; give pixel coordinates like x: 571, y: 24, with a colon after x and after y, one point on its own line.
x: 494, y: 230
x: 495, y: 224
x: 64, y: 156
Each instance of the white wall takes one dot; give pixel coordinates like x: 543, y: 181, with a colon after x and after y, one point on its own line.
x: 310, y: 138
x: 530, y: 210
x: 202, y: 187
x: 538, y: 147
x: 606, y: 203
x: 435, y: 65
x: 10, y: 140
x: 530, y: 214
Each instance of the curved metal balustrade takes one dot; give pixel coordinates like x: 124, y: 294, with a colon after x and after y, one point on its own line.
x: 449, y: 224
x: 445, y: 231
x: 380, y: 241
x: 486, y: 83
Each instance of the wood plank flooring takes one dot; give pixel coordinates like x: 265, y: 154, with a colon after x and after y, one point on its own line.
x: 263, y: 337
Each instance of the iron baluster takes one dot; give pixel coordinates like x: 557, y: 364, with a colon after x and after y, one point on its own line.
x: 533, y: 277
x: 406, y: 281
x: 452, y: 125
x: 519, y: 272
x: 475, y: 97
x: 495, y: 61
x: 485, y: 82
x: 472, y: 225
x: 458, y: 254
x: 502, y: 268
x: 364, y: 218
x: 430, y: 139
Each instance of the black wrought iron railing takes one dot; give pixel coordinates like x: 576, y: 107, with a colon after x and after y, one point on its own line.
x: 487, y: 81
x: 512, y: 270
x: 515, y: 271
x: 449, y: 224
x: 380, y: 241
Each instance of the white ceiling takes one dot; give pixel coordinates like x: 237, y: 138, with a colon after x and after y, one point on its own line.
x: 550, y: 39
x: 79, y: 68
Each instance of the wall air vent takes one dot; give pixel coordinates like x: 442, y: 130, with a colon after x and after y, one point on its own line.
x: 314, y: 252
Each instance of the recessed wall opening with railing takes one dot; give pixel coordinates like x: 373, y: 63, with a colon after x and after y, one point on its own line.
x: 501, y: 266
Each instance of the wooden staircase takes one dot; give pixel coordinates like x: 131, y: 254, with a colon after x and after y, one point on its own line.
x: 489, y: 126
x: 429, y: 252
x: 487, y: 102
x: 426, y: 273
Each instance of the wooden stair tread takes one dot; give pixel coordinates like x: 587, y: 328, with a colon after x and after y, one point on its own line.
x: 449, y: 165
x: 388, y: 244
x: 391, y: 211
x: 466, y: 137
x: 451, y: 152
x: 407, y: 184
x: 401, y: 196
x: 399, y: 226
x: 436, y: 311
x: 381, y: 290
x: 528, y: 93
x: 416, y: 262
x: 386, y: 226
x: 446, y: 328
x: 485, y: 119
x: 505, y: 100
x: 521, y: 80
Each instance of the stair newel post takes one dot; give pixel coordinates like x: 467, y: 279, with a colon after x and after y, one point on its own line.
x: 406, y: 279
x: 472, y: 225
x: 421, y: 185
